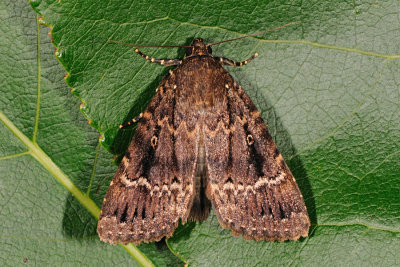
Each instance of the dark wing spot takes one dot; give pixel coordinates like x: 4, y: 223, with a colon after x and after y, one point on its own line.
x: 175, y: 180
x: 276, y: 153
x: 270, y: 211
x: 229, y: 180
x: 124, y: 214
x: 144, y: 212
x: 281, y: 212
x: 128, y: 155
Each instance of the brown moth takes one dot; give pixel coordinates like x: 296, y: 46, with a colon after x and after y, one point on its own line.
x: 201, y: 142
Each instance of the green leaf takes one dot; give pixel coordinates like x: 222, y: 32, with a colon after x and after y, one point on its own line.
x: 51, y: 163
x: 328, y: 88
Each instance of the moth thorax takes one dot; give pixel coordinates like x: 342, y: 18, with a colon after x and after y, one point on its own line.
x: 198, y: 48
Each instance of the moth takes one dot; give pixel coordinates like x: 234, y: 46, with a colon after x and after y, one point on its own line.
x: 201, y: 142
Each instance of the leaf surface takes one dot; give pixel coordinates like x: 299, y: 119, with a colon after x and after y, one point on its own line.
x: 328, y: 89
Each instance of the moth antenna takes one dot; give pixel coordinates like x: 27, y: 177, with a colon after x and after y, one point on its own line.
x: 256, y: 33
x: 134, y: 45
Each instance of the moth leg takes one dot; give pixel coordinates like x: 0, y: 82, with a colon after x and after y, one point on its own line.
x: 227, y: 61
x: 166, y: 62
x: 134, y: 120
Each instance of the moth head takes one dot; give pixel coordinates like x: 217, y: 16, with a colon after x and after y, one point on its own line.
x: 198, y: 48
